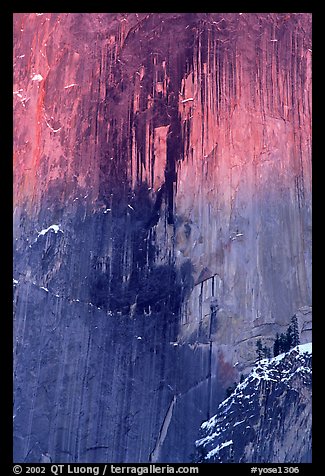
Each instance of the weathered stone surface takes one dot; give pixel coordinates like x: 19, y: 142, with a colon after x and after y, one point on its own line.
x: 178, y: 179
x: 267, y: 419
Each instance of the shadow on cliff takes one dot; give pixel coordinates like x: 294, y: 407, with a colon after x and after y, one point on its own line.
x: 132, y: 282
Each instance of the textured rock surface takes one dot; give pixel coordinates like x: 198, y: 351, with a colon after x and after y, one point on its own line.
x: 268, y: 417
x: 179, y: 183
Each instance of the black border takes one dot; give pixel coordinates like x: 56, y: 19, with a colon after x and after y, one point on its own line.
x: 6, y: 189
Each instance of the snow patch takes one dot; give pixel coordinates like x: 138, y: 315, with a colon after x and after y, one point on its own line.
x: 207, y: 439
x: 210, y: 423
x: 308, y: 348
x: 37, y: 77
x: 45, y: 289
x: 237, y: 235
x: 70, y: 85
x: 53, y: 130
x: 303, y: 369
x: 187, y: 100
x: 15, y: 281
x: 239, y: 423
x: 265, y: 370
x: 55, y: 228
x: 218, y: 448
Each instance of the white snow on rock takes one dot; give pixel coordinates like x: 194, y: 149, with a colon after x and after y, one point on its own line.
x: 237, y: 235
x: 187, y: 100
x: 44, y: 289
x: 306, y: 348
x: 266, y: 367
x: 211, y: 423
x: 55, y: 228
x: 218, y: 448
x: 15, y: 281
x: 52, y: 129
x: 267, y: 370
x: 239, y: 423
x: 37, y: 77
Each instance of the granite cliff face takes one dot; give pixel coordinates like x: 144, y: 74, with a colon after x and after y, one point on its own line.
x: 162, y: 221
x: 267, y: 419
